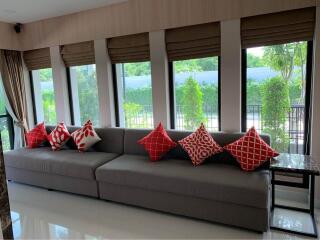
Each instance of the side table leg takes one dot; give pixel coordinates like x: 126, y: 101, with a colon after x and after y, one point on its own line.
x: 272, y: 190
x: 311, y: 195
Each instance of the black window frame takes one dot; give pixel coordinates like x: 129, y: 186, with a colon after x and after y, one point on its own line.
x: 308, y: 98
x: 172, y: 94
x: 70, y: 95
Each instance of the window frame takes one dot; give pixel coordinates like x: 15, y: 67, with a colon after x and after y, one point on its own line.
x: 70, y: 95
x: 308, y: 100
x: 172, y: 94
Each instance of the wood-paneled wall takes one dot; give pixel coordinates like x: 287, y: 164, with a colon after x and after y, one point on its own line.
x: 137, y: 16
x: 9, y: 39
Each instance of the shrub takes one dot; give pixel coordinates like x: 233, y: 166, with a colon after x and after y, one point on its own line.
x: 192, y: 104
x: 275, y: 109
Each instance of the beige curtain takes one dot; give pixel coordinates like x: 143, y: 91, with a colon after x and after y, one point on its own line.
x: 13, y: 84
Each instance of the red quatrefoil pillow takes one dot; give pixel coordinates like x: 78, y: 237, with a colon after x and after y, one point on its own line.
x: 200, y: 145
x: 157, y: 143
x: 59, y: 136
x: 251, y: 151
x: 36, y: 136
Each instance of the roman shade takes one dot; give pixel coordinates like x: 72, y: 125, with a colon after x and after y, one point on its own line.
x: 131, y: 48
x: 78, y: 54
x: 37, y: 59
x: 278, y: 28
x: 196, y: 41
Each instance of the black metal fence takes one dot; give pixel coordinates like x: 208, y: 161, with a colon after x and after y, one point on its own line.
x: 294, y: 124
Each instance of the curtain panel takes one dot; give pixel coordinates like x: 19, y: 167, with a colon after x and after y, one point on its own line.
x: 11, y: 69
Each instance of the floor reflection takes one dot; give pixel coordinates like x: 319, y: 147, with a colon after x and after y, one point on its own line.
x: 40, y: 214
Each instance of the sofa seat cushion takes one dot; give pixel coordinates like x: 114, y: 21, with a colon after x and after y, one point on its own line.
x: 66, y: 162
x: 219, y: 182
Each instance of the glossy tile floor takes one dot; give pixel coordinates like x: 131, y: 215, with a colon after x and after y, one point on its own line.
x: 40, y: 214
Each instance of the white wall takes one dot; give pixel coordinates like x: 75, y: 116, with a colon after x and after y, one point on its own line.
x: 230, y: 76
x: 60, y: 86
x: 105, y: 84
x: 160, y: 78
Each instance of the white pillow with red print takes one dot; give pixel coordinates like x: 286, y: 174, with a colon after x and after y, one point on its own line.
x: 85, y: 137
x: 59, y: 137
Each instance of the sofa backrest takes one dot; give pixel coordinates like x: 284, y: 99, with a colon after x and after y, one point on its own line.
x: 132, y: 136
x: 111, y: 139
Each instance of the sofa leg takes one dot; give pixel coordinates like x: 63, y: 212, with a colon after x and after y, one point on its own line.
x: 50, y: 190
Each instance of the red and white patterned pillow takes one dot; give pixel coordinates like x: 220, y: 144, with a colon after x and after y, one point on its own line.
x: 200, y: 145
x: 36, y: 136
x: 157, y: 143
x: 85, y: 137
x: 251, y: 151
x: 59, y: 136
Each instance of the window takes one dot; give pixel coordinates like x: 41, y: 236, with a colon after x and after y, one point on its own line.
x: 134, y: 94
x: 6, y: 125
x: 277, y: 83
x: 85, y: 101
x: 195, y: 93
x: 44, y: 98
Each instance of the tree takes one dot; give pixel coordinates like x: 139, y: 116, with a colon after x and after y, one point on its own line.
x: 281, y: 58
x: 131, y: 115
x: 284, y: 57
x: 254, y: 61
x: 88, y: 94
x: 253, y: 92
x: 137, y: 69
x: 193, y: 102
x: 300, y: 60
x: 275, y: 108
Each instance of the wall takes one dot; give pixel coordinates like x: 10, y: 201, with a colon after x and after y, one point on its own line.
x: 9, y: 38
x: 137, y: 16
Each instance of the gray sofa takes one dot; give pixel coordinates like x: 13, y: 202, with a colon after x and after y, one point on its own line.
x: 118, y: 169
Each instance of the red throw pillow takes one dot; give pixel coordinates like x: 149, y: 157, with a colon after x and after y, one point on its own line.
x: 59, y: 136
x: 36, y: 136
x: 200, y: 145
x: 85, y: 137
x: 251, y: 151
x: 157, y: 143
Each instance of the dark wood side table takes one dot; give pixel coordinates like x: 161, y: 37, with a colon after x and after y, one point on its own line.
x: 309, y: 168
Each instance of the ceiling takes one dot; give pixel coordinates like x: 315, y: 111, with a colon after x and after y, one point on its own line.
x: 24, y: 11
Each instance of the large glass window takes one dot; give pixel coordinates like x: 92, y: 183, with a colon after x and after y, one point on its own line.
x: 6, y: 124
x: 276, y: 87
x: 44, y: 98
x: 196, y: 93
x: 134, y: 95
x: 84, y: 94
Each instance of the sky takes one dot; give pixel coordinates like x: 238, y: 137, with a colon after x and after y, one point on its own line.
x: 257, y: 51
